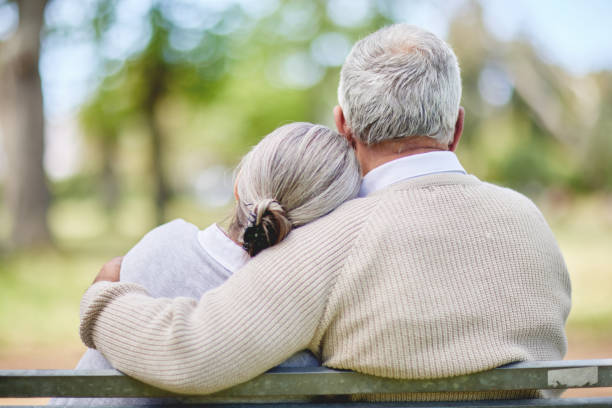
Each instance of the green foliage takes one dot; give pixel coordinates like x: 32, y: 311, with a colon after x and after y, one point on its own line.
x: 39, y: 296
x: 597, y: 156
x: 217, y: 90
x: 79, y: 186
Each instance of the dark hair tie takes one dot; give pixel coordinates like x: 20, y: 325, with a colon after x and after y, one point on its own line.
x: 267, y: 226
x: 255, y: 239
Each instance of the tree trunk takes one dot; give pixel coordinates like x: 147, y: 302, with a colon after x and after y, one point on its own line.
x: 110, y: 183
x: 162, y: 192
x: 161, y: 187
x: 22, y: 124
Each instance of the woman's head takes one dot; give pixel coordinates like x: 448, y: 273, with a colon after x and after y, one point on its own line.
x: 296, y: 174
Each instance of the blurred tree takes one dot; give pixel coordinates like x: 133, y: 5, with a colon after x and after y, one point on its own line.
x: 217, y: 77
x: 22, y: 122
x: 596, y: 158
x: 146, y: 79
x: 105, y: 135
x: 529, y: 123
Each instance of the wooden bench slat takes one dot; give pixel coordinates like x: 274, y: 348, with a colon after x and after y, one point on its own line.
x: 311, y: 381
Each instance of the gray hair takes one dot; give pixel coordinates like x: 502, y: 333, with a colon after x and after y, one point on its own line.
x: 296, y: 174
x: 400, y: 81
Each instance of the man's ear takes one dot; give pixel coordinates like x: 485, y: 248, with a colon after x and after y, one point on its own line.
x: 342, y: 126
x: 458, y: 130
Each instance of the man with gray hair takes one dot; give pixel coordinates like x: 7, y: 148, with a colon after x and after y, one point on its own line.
x: 430, y: 273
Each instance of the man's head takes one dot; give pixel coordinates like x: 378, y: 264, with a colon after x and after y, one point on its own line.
x: 400, y: 82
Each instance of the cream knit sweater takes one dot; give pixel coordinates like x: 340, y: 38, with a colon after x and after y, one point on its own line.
x: 435, y: 276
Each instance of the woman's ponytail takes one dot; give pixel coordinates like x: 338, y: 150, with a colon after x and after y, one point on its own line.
x: 268, y: 225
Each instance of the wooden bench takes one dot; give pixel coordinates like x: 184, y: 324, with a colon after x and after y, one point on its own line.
x: 296, y: 388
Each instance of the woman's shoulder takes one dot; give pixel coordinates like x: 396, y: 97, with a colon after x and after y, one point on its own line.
x: 167, y: 261
x: 174, y: 236
x: 177, y: 227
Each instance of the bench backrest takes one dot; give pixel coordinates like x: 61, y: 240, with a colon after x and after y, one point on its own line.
x: 316, y: 381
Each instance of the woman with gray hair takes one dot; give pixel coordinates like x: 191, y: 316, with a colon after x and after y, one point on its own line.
x: 294, y: 175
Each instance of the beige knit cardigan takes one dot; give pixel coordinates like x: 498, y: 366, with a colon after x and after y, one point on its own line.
x: 436, y: 276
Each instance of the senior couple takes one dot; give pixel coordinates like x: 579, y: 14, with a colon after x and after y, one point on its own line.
x: 416, y: 270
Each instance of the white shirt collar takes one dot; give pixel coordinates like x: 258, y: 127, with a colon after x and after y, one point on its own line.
x: 222, y: 249
x: 408, y: 167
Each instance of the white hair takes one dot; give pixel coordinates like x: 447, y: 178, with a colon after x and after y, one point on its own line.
x: 398, y: 82
x: 296, y: 174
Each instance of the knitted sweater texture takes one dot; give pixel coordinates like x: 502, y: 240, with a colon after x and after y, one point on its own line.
x: 436, y: 276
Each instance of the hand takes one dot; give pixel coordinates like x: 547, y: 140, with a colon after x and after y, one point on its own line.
x: 110, y: 270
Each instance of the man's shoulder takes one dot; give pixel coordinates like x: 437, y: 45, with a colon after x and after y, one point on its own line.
x: 458, y: 186
x: 443, y: 199
x: 510, y: 195
x: 511, y: 209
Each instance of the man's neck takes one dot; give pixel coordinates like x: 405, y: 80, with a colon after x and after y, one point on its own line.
x: 373, y: 156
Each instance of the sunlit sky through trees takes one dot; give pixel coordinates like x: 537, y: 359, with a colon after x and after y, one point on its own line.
x: 575, y: 35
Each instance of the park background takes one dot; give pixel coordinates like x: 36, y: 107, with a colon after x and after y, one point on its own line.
x: 116, y: 116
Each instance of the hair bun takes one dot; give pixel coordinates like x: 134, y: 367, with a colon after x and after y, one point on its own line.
x: 268, y: 225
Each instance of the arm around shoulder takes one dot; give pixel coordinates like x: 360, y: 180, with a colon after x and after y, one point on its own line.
x: 263, y: 314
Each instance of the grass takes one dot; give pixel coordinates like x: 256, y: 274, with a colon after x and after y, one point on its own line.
x: 584, y: 232
x: 39, y: 297
x: 40, y: 291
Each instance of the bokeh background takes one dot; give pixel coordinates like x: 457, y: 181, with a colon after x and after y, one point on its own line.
x: 116, y: 116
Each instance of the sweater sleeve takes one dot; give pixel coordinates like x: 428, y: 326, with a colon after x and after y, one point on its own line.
x: 263, y: 314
